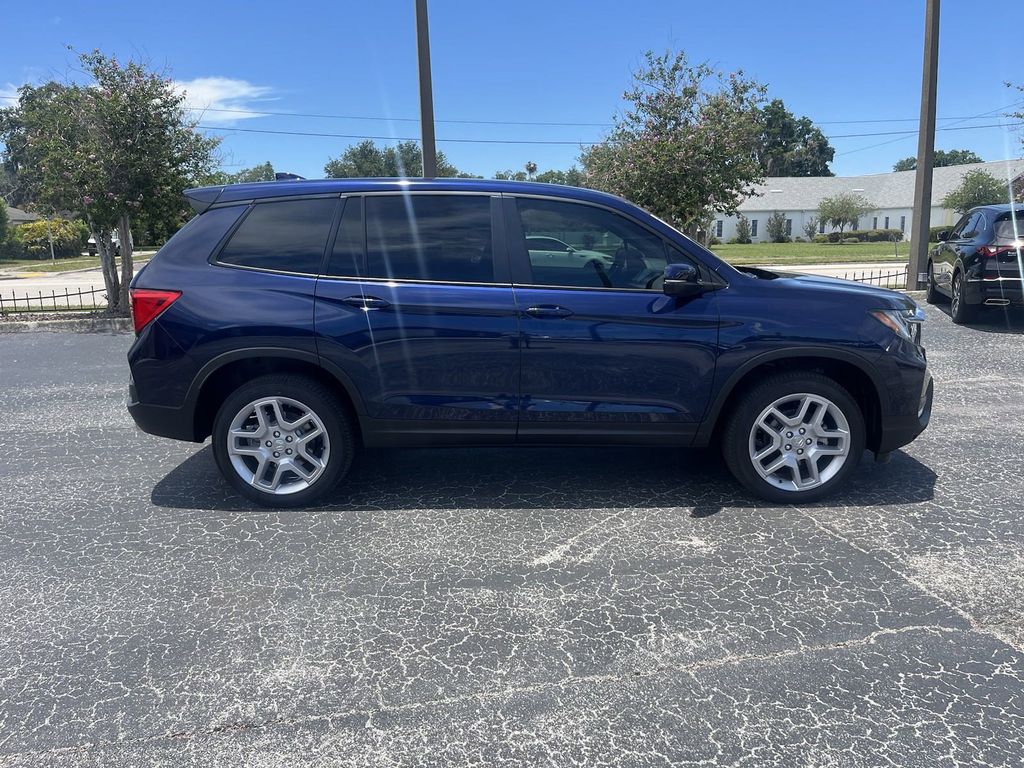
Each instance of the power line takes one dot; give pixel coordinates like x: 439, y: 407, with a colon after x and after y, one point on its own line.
x: 452, y: 121
x: 320, y: 134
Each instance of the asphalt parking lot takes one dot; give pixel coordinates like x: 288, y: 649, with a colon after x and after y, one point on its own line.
x: 503, y: 607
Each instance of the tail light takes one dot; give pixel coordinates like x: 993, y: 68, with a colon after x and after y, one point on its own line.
x: 148, y: 304
x: 997, y: 250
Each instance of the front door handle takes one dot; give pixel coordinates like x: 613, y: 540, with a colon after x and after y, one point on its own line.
x: 366, y: 302
x: 548, y: 310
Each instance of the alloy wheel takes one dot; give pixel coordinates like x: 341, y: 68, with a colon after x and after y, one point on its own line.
x: 957, y: 298
x: 799, y: 442
x: 278, y: 445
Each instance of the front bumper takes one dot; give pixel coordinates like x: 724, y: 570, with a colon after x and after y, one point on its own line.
x: 897, y: 431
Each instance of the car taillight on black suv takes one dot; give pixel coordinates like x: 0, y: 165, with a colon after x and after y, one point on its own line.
x: 148, y: 304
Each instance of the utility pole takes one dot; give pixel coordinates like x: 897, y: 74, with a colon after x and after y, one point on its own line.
x: 426, y: 91
x: 921, y: 218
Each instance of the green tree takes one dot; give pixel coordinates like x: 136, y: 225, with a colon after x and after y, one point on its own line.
x: 842, y: 209
x: 977, y: 187
x: 510, y: 175
x: 790, y: 145
x: 264, y: 172
x: 531, y: 169
x: 114, y: 148
x: 942, y: 159
x: 405, y: 159
x: 776, y: 227
x: 4, y: 226
x: 811, y: 227
x: 686, y: 143
x: 572, y: 177
x: 742, y: 229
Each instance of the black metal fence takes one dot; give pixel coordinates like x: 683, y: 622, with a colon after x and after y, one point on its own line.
x: 884, y: 278
x: 54, y: 301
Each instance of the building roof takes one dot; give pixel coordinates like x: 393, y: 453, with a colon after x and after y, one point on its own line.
x: 18, y: 216
x: 883, y: 190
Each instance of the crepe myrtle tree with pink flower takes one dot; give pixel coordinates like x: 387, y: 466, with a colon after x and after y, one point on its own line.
x: 113, y: 148
x: 686, y: 145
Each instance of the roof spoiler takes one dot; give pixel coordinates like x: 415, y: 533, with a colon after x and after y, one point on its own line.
x: 202, y: 198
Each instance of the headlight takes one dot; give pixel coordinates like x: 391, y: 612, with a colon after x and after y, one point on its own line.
x: 905, y: 323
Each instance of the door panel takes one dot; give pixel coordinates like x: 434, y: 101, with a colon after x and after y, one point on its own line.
x: 420, y: 351
x: 622, y: 359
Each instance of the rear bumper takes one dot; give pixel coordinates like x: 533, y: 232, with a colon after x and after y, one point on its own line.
x: 162, y: 421
x: 1004, y: 292
x: 897, y: 431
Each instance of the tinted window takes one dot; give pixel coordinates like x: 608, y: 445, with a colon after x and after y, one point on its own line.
x: 960, y: 228
x: 347, y: 254
x: 1006, y: 231
x: 289, y: 236
x: 608, y: 250
x: 442, y: 238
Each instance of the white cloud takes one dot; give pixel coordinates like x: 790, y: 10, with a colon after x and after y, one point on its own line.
x: 207, y: 95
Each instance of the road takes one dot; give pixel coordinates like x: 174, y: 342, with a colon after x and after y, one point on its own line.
x: 507, y: 607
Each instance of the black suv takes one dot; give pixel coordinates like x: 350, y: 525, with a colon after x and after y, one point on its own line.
x: 296, y: 321
x: 978, y: 263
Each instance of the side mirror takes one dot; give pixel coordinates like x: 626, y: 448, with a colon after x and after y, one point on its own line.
x: 943, y: 235
x: 682, y: 280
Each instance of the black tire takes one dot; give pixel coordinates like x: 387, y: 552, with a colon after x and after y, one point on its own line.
x: 736, y: 436
x: 962, y: 312
x: 323, y: 402
x: 934, y: 295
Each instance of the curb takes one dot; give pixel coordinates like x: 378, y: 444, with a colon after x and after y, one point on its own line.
x: 71, y: 325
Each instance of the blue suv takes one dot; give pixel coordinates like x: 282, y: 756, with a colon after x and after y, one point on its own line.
x: 297, y: 321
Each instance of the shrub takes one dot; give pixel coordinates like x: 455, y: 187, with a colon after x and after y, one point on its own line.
x: 742, y: 229
x: 799, y: 240
x: 850, y: 240
x: 31, y: 240
x: 776, y: 228
x: 820, y: 239
x: 867, y: 235
x: 811, y: 227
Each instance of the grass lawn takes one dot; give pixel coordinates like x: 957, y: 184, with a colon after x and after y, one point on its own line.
x: 810, y: 253
x: 45, y: 265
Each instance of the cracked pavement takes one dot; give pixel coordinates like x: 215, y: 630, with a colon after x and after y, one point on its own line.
x: 507, y: 607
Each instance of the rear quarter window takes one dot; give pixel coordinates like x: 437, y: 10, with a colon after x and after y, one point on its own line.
x: 283, y: 236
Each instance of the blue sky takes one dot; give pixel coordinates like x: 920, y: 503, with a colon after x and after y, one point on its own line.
x: 556, y: 61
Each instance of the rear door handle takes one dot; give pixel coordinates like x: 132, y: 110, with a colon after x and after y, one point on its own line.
x: 366, y: 302
x: 548, y: 310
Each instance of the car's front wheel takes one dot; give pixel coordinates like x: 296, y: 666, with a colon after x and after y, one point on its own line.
x: 283, y: 440
x: 794, y: 437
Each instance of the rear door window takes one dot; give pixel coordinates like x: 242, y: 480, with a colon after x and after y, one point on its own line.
x: 284, y: 236
x: 438, y: 238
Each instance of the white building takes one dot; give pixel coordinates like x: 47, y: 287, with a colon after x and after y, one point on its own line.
x: 893, y: 193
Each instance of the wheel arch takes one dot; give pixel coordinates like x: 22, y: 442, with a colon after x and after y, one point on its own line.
x: 850, y: 371
x: 222, y: 375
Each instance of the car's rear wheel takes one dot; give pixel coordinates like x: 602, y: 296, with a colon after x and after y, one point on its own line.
x: 283, y: 440
x: 961, y: 311
x: 933, y: 296
x: 794, y: 437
